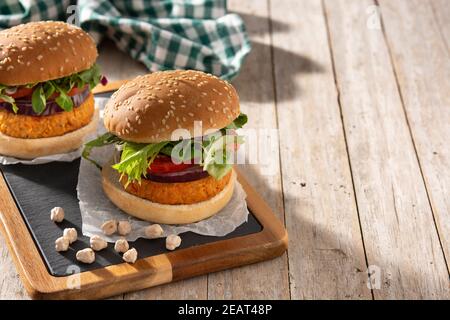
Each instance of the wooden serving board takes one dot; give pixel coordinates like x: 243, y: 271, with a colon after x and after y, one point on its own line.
x: 27, y: 193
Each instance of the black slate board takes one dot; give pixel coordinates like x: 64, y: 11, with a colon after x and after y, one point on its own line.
x: 38, y: 188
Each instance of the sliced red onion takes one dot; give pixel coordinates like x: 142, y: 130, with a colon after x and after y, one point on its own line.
x: 25, y: 106
x: 189, y: 174
x: 104, y: 81
x: 10, y: 90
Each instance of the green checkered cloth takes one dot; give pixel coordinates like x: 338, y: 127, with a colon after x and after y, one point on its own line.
x: 166, y: 34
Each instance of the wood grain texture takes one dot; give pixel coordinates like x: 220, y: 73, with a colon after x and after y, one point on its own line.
x: 441, y: 11
x: 397, y: 223
x: 422, y: 64
x: 11, y: 288
x: 326, y: 256
x: 257, y: 101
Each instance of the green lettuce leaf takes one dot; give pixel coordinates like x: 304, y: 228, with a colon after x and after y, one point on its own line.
x: 44, y: 90
x: 217, y: 158
x: 213, y: 153
x: 63, y: 100
x: 10, y: 100
x: 38, y: 100
x: 136, y: 158
x: 103, y: 140
x: 239, y: 122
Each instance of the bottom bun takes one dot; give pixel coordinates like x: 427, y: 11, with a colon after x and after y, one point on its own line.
x: 163, y: 213
x: 34, y: 148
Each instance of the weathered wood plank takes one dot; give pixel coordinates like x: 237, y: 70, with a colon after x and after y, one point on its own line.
x: 267, y: 280
x: 326, y: 256
x: 11, y: 287
x: 441, y: 10
x: 397, y: 223
x: 422, y: 64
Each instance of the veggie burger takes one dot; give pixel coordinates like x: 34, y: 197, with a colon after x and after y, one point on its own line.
x: 175, y: 137
x: 47, y: 71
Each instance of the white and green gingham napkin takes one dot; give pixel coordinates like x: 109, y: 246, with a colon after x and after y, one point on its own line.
x: 165, y: 34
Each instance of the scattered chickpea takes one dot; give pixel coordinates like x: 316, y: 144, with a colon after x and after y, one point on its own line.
x: 130, y: 256
x: 124, y: 227
x: 86, y: 255
x: 172, y: 242
x: 121, y: 245
x: 57, y: 214
x: 154, y: 231
x: 62, y: 244
x: 71, y: 234
x: 109, y: 227
x: 98, y: 243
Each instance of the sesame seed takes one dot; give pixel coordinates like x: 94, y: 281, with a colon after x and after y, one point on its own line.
x: 161, y: 101
x: 39, y: 57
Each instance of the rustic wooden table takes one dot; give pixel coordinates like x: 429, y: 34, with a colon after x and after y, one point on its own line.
x: 360, y: 93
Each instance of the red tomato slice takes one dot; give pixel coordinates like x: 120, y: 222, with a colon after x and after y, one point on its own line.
x: 71, y: 93
x: 164, y: 164
x: 75, y: 91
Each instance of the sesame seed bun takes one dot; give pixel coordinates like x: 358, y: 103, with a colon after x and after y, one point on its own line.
x: 163, y: 213
x: 34, y: 148
x: 42, y: 51
x: 149, y: 108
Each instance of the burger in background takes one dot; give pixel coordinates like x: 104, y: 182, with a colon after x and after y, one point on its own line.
x: 175, y: 132
x: 47, y: 72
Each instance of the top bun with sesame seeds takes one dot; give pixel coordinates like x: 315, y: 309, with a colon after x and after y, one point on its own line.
x: 149, y: 108
x: 42, y: 51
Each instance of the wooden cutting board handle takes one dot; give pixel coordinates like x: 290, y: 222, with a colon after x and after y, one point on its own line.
x: 110, y: 86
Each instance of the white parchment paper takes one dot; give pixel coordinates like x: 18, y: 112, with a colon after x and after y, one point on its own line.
x: 96, y: 208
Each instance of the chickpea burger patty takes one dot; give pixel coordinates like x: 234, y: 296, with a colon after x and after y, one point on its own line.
x: 177, y: 192
x: 32, y: 127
